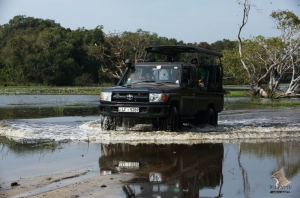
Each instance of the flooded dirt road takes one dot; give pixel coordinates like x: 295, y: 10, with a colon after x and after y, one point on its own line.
x: 253, y: 152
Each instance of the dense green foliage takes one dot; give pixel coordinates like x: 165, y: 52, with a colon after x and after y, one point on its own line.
x: 40, y: 52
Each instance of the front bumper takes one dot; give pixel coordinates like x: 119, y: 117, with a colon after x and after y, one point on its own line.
x: 145, y: 111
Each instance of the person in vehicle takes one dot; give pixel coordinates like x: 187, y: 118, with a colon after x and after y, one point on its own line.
x: 132, y: 77
x: 148, y: 76
x: 200, y: 72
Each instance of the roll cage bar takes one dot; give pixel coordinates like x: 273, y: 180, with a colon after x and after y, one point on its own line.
x: 174, y: 50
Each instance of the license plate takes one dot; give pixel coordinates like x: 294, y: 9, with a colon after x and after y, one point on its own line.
x: 128, y: 109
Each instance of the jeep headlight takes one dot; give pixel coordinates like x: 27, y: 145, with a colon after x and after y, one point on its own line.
x: 105, y: 96
x: 158, y: 97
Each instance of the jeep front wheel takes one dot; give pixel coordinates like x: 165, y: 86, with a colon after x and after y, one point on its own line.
x: 171, y: 121
x: 108, y: 123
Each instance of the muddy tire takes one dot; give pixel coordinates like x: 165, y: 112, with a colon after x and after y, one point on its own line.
x: 171, y: 121
x: 210, y: 117
x: 216, y: 118
x: 108, y: 123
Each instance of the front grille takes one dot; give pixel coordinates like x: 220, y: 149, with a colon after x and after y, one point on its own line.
x: 130, y: 97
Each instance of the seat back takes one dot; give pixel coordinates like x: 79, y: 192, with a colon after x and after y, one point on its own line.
x: 185, y: 78
x: 206, y: 80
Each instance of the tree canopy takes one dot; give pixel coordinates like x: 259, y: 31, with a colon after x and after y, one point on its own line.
x: 37, y: 51
x: 42, y: 52
x: 267, y: 60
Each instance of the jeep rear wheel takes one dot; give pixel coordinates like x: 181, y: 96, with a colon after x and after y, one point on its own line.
x: 210, y: 117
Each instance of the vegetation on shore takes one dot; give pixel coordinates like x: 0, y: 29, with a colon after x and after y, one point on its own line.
x: 36, y: 51
x: 232, y: 94
x: 272, y: 103
x: 47, y: 144
x: 92, y: 90
x: 48, y: 90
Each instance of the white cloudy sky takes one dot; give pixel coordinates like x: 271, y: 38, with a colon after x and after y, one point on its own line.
x: 186, y: 20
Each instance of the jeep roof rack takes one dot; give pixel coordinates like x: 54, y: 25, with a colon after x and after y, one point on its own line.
x: 173, y: 50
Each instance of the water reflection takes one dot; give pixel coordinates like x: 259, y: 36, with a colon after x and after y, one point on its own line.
x: 285, y: 153
x: 238, y: 169
x: 166, y: 170
x: 232, y: 169
x: 281, y: 180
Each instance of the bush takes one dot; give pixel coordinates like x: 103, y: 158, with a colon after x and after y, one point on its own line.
x: 85, y: 79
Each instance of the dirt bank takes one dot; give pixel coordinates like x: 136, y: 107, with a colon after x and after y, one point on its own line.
x: 84, y: 184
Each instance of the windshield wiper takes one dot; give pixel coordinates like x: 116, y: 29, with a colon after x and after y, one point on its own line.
x: 170, y: 82
x: 142, y: 81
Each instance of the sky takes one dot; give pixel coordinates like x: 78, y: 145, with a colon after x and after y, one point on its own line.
x: 187, y: 20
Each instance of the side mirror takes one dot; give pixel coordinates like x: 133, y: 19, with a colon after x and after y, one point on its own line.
x: 128, y: 63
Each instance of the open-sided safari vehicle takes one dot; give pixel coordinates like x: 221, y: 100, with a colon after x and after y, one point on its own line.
x: 163, y: 90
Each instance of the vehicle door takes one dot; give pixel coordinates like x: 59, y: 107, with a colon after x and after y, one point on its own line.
x: 189, y: 92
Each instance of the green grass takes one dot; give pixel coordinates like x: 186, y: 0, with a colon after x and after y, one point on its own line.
x: 273, y: 103
x: 77, y: 104
x: 59, y: 110
x: 232, y: 94
x: 48, y: 90
x: 42, y: 143
x: 14, y: 184
x: 7, y: 141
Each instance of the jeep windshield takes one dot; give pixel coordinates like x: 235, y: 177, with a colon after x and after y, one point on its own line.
x: 152, y: 74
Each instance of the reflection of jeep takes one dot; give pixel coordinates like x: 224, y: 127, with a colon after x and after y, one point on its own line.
x: 166, y: 94
x: 166, y: 170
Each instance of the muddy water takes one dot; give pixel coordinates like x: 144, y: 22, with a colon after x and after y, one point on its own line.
x: 235, y: 159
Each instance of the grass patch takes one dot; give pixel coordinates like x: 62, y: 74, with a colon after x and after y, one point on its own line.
x: 272, y: 103
x: 232, y: 94
x: 75, y: 104
x: 7, y: 141
x: 14, y: 184
x: 47, y: 90
x: 59, y: 110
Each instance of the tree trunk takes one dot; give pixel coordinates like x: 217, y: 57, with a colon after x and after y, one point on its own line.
x: 261, y: 92
x: 274, y: 81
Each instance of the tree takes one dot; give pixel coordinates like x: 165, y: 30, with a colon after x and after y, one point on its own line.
x: 289, y: 25
x: 268, y: 59
x: 117, y: 47
x: 17, y: 58
x: 225, y: 44
x: 234, y: 74
x: 251, y: 76
x: 110, y: 51
x: 42, y: 57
